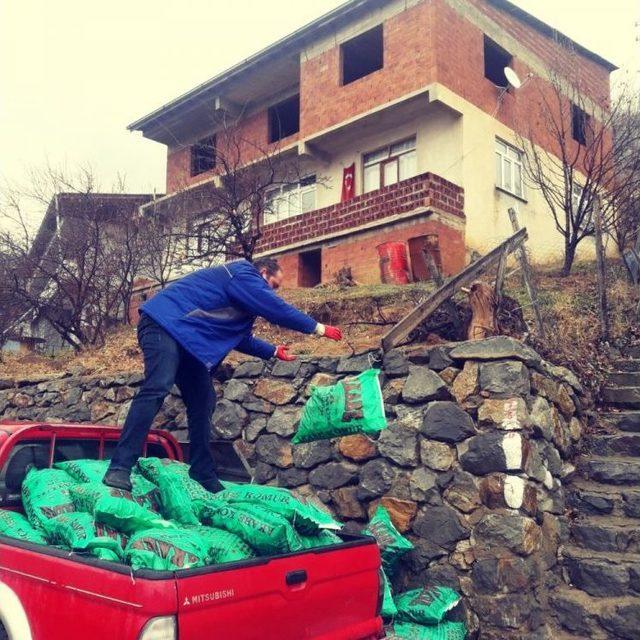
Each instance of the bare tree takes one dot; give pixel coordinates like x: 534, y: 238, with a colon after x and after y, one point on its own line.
x: 585, y: 159
x: 225, y: 215
x: 76, y: 272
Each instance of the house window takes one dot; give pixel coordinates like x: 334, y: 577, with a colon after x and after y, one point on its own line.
x: 509, y: 171
x: 495, y: 60
x: 362, y: 55
x: 203, y: 155
x: 290, y: 200
x: 578, y: 198
x: 390, y: 164
x: 284, y: 118
x: 579, y: 124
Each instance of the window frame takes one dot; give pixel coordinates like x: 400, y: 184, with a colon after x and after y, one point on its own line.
x: 389, y: 160
x: 196, y: 156
x: 307, y: 184
x: 579, y: 124
x: 497, y: 50
x: 518, y: 160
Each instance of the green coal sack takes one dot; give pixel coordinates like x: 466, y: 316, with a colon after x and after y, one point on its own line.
x: 428, y: 605
x: 183, y: 498
x: 166, y: 550
x: 78, y: 532
x: 222, y: 546
x: 305, y: 517
x: 154, y: 468
x: 322, y: 539
x: 353, y: 405
x: 15, y: 525
x: 115, y: 507
x: 443, y: 631
x: 84, y: 470
x: 262, y: 530
x: 393, y: 545
x: 389, y: 609
x: 45, y: 495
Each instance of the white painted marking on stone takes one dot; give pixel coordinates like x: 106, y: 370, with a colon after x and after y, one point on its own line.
x: 514, y: 491
x: 510, y: 415
x: 512, y: 448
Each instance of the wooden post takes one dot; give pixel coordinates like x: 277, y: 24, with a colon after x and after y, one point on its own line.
x: 603, y: 304
x: 526, y: 275
x: 449, y: 306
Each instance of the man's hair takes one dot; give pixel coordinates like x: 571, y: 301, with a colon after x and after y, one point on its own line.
x: 269, y: 264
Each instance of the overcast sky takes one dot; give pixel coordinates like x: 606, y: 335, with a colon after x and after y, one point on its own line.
x: 74, y: 73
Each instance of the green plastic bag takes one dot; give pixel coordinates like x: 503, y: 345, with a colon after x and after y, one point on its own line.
x: 443, y: 631
x: 222, y: 546
x: 154, y: 468
x: 392, y: 543
x: 322, y: 539
x: 184, y: 498
x: 115, y: 508
x: 303, y: 515
x: 389, y: 609
x: 15, y: 525
x: 77, y: 532
x: 353, y: 405
x: 166, y: 550
x: 84, y: 470
x: 45, y: 495
x: 262, y: 530
x: 426, y: 606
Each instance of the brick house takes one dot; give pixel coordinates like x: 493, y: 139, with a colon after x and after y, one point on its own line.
x: 409, y: 100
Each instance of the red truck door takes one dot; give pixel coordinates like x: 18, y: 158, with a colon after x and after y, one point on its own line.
x: 322, y: 595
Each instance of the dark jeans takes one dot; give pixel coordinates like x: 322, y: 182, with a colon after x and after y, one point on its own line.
x: 166, y: 363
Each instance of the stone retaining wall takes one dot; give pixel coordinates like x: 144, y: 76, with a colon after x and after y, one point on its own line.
x: 471, y: 467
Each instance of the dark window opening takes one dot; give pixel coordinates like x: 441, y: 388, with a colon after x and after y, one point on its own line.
x: 362, y: 55
x: 495, y: 60
x: 579, y: 124
x: 420, y: 265
x: 284, y: 119
x: 203, y: 155
x: 310, y: 268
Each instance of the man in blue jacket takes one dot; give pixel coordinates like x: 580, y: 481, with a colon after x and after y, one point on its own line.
x: 185, y: 331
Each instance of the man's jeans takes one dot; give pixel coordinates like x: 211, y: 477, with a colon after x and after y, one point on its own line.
x: 165, y: 363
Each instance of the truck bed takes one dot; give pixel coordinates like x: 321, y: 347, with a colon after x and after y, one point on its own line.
x: 319, y: 594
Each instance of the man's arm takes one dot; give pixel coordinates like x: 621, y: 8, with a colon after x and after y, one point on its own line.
x: 252, y: 293
x: 253, y: 346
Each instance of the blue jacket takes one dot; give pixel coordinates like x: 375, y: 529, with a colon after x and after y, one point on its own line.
x: 212, y: 311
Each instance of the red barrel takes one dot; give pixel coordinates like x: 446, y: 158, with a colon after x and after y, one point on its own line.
x: 394, y: 265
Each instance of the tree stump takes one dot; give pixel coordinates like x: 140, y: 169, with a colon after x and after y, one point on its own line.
x: 482, y: 299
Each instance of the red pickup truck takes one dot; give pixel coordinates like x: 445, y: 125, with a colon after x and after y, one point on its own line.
x: 332, y: 593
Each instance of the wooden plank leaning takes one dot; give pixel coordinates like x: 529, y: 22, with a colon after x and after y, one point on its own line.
x: 402, y: 329
x: 526, y: 276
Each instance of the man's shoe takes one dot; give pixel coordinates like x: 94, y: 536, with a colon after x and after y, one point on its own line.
x: 118, y: 479
x: 213, y: 485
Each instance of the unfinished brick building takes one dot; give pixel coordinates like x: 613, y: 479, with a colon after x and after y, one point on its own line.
x: 407, y: 100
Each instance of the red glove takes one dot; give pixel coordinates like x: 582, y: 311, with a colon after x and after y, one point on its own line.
x: 333, y: 333
x: 282, y: 353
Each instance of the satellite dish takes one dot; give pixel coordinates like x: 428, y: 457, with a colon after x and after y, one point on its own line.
x: 512, y: 78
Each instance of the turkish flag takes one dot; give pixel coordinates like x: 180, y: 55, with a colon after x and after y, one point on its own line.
x: 348, y: 182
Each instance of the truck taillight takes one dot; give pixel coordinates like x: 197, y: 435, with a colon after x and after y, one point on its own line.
x: 164, y: 628
x: 380, y: 593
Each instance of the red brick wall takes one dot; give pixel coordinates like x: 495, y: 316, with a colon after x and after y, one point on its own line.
x: 250, y: 142
x: 409, y: 63
x: 359, y: 252
x: 426, y: 190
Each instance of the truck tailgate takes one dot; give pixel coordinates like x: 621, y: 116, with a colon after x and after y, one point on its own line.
x: 322, y: 594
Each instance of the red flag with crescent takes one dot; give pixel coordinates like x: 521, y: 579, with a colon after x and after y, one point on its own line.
x: 348, y: 182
